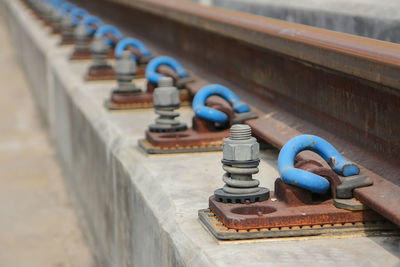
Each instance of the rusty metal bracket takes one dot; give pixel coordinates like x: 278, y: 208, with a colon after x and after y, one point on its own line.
x: 287, y: 206
x: 87, y: 55
x: 100, y: 73
x: 290, y: 207
x: 345, y: 189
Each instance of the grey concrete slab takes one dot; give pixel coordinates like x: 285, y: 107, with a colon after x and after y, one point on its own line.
x: 141, y: 210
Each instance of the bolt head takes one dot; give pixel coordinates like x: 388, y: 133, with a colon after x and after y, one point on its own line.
x: 166, y: 96
x: 241, y: 150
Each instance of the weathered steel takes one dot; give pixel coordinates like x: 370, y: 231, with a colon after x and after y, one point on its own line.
x: 288, y: 206
x: 269, y: 214
x: 381, y: 228
x: 202, y: 134
x: 341, y: 87
x: 100, y: 73
x: 291, y: 205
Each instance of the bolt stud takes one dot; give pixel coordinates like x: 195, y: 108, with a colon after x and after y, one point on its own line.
x: 125, y: 70
x: 240, y: 161
x: 67, y: 28
x: 166, y: 101
x: 81, y: 38
x: 99, y: 50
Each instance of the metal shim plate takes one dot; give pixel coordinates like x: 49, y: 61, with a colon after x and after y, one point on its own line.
x: 113, y: 106
x: 216, y: 227
x: 150, y: 149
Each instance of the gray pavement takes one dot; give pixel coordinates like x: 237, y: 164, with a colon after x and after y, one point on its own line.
x: 38, y: 226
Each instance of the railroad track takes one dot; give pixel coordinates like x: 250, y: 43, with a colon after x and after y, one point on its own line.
x: 301, y: 79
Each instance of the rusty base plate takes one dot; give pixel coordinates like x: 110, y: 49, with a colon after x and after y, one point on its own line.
x: 107, y: 73
x: 87, y: 55
x: 101, y: 73
x: 189, y: 138
x: 67, y: 42
x: 139, y: 100
x: 145, y: 105
x: 275, y: 213
x: 55, y: 31
x: 81, y: 55
x: 220, y: 231
x: 206, y: 147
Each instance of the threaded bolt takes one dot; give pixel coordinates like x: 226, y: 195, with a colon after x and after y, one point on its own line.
x: 67, y: 28
x: 240, y: 161
x: 125, y: 69
x: 99, y: 50
x: 56, y: 18
x: 166, y: 101
x: 47, y: 11
x: 81, y: 38
x: 240, y: 132
x: 165, y: 82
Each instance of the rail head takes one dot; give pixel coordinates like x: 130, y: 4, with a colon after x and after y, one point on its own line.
x: 366, y: 58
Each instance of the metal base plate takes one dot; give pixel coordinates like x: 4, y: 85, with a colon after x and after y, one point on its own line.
x: 381, y: 228
x: 103, y: 78
x: 66, y: 42
x: 107, y: 77
x: 87, y: 55
x: 150, y: 149
x: 117, y: 106
x: 100, y: 73
x: 81, y: 55
x: 139, y: 99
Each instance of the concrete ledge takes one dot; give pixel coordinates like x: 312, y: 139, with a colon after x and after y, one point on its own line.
x: 141, y: 210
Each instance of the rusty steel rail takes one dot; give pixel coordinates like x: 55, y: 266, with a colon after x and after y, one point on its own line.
x: 302, y: 79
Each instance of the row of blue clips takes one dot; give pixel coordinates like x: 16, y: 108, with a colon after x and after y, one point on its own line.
x: 286, y: 159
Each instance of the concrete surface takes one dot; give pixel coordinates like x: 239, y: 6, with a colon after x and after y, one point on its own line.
x: 141, y: 210
x: 370, y: 18
x: 38, y: 226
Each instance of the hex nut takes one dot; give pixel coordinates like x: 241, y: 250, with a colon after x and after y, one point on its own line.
x: 80, y: 32
x: 125, y: 65
x: 66, y: 22
x: 99, y: 46
x: 241, y: 150
x: 166, y: 96
x: 56, y: 15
